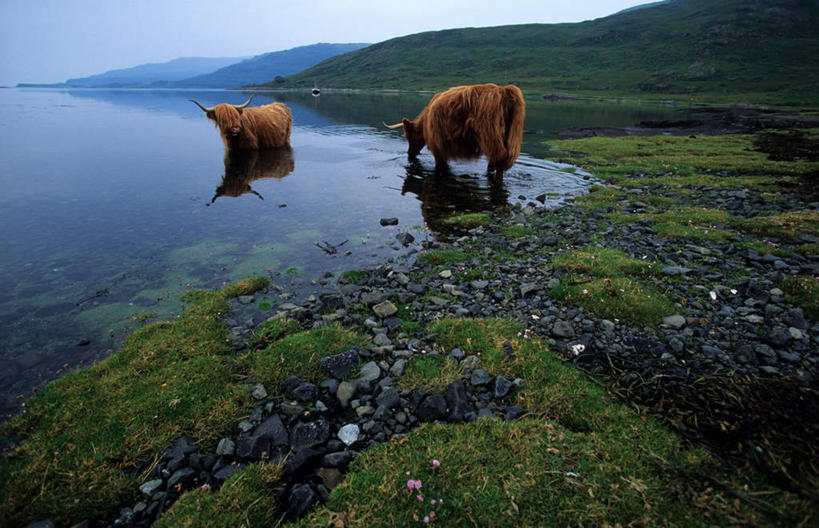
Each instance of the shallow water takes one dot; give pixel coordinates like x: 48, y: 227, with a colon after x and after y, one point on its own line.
x: 116, y: 202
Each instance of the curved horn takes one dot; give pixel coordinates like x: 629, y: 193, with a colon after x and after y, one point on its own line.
x: 200, y: 106
x: 393, y: 127
x: 243, y: 106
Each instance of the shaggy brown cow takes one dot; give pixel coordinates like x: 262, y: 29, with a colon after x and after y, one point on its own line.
x: 243, y: 167
x: 243, y: 128
x: 466, y: 122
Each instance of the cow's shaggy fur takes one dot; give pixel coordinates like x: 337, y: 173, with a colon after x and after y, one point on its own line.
x: 466, y: 122
x: 260, y: 127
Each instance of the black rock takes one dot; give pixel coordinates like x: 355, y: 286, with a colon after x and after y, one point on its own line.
x: 389, y: 221
x: 405, y: 238
x: 306, y: 392
x: 300, y: 463
x: 274, y: 429
x: 183, y: 446
x: 339, y: 365
x: 310, y: 434
x: 299, y: 501
x: 513, y: 413
x: 388, y: 398
x: 291, y: 383
x: 458, y: 402
x: 182, y: 476
x: 339, y: 459
x: 431, y: 408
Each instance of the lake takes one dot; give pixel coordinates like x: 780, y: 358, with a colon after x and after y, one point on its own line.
x: 118, y: 201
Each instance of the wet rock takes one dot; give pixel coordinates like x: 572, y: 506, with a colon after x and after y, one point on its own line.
x: 389, y: 221
x: 431, y: 408
x: 385, y: 309
x: 310, y: 434
x: 301, y: 497
x: 458, y: 402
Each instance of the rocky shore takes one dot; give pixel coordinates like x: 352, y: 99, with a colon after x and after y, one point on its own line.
x: 732, y: 322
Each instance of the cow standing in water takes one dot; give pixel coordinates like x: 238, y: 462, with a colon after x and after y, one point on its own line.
x: 242, y: 128
x: 466, y: 122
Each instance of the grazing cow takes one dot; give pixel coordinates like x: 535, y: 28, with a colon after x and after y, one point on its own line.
x: 466, y: 122
x: 243, y: 128
x: 243, y: 167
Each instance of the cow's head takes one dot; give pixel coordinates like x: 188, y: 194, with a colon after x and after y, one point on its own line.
x: 227, y: 117
x: 414, y: 132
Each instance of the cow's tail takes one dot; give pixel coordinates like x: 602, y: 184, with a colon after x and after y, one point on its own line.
x: 515, y: 112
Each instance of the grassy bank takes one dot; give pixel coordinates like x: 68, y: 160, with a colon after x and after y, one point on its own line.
x: 577, y: 457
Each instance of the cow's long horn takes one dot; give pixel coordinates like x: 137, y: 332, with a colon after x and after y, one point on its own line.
x: 242, y: 106
x: 393, y: 127
x: 200, y: 106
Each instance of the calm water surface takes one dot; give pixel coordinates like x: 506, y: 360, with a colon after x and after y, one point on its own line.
x: 116, y: 202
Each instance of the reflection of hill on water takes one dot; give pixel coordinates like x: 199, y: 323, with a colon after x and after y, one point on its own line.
x: 245, y: 167
x: 444, y: 194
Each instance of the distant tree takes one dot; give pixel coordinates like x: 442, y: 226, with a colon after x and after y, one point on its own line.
x: 279, y: 79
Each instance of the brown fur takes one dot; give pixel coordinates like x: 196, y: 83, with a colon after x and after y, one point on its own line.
x: 260, y: 127
x: 243, y: 167
x: 466, y: 122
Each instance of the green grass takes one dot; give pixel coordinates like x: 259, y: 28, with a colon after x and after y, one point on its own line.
x: 247, y: 286
x: 437, y: 257
x: 516, y: 231
x: 430, y: 373
x: 803, y: 291
x: 298, y: 355
x: 678, y: 161
x: 247, y: 498
x: 618, y: 286
x: 87, y: 437
x: 468, y: 220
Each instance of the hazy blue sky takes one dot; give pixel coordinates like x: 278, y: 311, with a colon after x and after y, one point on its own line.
x: 52, y: 40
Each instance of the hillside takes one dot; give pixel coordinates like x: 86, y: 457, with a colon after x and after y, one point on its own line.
x: 147, y: 74
x: 690, y: 48
x: 268, y: 66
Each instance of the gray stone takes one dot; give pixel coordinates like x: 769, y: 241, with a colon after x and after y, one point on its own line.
x: 385, y: 309
x: 150, y: 487
x: 405, y: 238
x: 369, y: 372
x: 346, y: 390
x: 306, y: 392
x: 676, y: 270
x: 389, y: 221
x: 398, y: 367
x: 226, y: 447
x: 480, y: 377
x: 563, y: 329
x: 349, y: 434
x: 301, y: 497
x: 502, y: 386
x: 674, y: 321
x: 458, y: 402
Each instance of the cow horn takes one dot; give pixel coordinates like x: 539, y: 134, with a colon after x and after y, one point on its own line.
x: 393, y: 127
x: 200, y: 106
x: 242, y: 106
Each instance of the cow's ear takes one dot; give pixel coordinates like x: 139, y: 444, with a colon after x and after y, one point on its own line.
x: 240, y: 110
x: 407, y: 124
x: 210, y: 114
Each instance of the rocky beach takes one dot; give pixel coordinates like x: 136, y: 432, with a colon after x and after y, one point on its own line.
x: 728, y: 358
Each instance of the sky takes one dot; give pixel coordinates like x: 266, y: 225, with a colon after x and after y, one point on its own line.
x: 45, y: 41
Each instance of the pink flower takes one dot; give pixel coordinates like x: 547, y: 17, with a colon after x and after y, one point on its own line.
x: 426, y: 520
x: 436, y: 463
x: 432, y: 502
x: 585, y: 291
x: 432, y: 515
x: 205, y: 486
x: 420, y: 498
x: 414, y: 484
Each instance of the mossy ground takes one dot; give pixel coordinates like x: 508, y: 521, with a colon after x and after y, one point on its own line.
x: 577, y: 457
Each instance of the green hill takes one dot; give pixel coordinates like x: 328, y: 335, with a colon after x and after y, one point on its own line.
x: 759, y: 50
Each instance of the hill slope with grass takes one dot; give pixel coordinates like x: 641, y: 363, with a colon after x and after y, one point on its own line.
x: 766, y: 50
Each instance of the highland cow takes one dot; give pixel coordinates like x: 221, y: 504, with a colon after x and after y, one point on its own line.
x: 243, y: 128
x: 466, y: 122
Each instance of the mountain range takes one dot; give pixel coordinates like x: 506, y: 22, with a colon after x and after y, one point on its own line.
x: 227, y: 72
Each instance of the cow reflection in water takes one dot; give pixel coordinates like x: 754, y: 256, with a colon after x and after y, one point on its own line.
x: 443, y: 195
x: 243, y: 167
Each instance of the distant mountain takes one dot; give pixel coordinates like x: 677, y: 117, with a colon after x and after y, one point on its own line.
x: 147, y: 74
x: 266, y: 67
x: 767, y: 50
